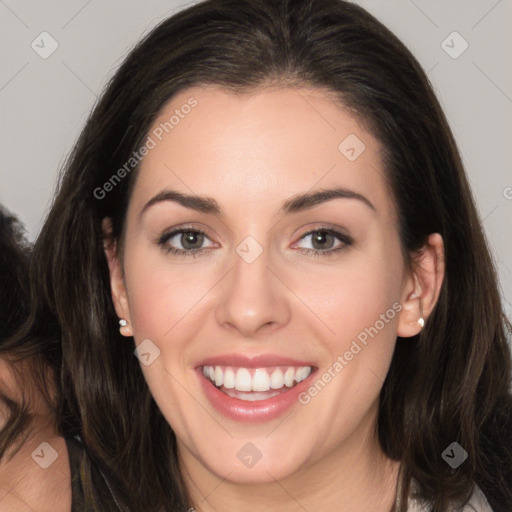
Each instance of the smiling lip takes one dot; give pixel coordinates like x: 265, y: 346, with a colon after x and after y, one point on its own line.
x: 256, y: 361
x: 258, y: 411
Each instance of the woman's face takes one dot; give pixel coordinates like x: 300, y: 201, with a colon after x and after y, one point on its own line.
x: 258, y: 309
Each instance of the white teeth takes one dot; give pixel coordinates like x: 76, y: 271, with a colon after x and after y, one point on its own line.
x: 253, y: 396
x: 277, y: 379
x: 288, y: 377
x: 256, y: 380
x: 229, y: 379
x: 219, y: 377
x: 243, y: 380
x: 303, y: 373
x: 260, y: 380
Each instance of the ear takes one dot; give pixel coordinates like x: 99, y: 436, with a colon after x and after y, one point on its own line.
x: 422, y: 287
x: 117, y: 284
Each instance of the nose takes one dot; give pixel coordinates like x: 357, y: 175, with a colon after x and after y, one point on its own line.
x: 254, y: 299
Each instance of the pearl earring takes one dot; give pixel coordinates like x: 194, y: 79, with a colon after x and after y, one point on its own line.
x: 124, y: 328
x: 421, y: 321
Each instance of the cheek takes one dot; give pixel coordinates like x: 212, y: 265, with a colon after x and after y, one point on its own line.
x: 164, y: 300
x: 162, y: 294
x: 359, y: 303
x: 352, y: 296
x: 361, y: 310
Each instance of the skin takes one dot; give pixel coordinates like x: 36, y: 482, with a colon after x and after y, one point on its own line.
x: 25, y: 486
x: 251, y: 153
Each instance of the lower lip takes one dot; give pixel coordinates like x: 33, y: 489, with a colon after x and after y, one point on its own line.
x: 252, y: 412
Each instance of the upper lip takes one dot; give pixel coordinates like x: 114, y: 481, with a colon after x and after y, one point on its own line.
x: 252, y: 361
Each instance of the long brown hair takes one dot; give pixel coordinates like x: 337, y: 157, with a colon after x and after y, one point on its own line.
x: 24, y: 363
x: 450, y: 383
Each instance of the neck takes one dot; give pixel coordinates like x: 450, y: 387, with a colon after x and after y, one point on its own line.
x: 353, y: 477
x: 28, y: 483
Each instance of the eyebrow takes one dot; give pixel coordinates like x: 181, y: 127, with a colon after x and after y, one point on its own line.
x: 295, y: 204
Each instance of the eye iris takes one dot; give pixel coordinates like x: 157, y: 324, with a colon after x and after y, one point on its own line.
x: 320, y: 236
x: 191, y: 237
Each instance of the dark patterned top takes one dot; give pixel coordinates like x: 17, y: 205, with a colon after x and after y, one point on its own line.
x: 81, y: 501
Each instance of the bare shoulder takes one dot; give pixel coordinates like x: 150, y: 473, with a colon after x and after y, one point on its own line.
x: 37, y: 477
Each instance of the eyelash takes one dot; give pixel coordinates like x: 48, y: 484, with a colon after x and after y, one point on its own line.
x: 161, y: 242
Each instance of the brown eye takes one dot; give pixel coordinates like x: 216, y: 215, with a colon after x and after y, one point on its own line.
x: 323, y: 241
x: 190, y: 240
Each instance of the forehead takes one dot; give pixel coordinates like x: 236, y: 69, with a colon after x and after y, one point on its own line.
x: 266, y: 145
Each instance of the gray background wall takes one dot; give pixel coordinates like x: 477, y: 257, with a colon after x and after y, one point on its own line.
x: 44, y: 101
